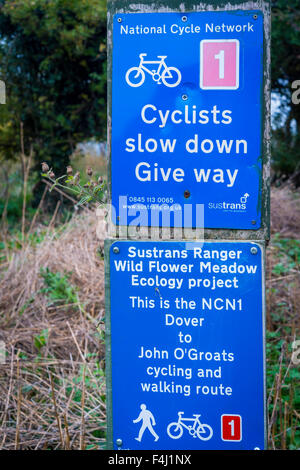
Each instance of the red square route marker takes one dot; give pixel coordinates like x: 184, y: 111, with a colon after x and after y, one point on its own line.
x: 219, y: 64
x: 231, y: 428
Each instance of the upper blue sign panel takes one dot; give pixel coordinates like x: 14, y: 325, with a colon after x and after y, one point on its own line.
x: 187, y: 119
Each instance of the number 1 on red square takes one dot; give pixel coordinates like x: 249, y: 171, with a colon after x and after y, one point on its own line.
x: 231, y: 428
x: 219, y: 64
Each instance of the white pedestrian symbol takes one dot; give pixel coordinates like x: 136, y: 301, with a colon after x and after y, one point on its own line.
x: 148, y: 422
x: 169, y: 76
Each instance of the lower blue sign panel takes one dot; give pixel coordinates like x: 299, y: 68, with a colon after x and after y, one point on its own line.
x: 187, y: 346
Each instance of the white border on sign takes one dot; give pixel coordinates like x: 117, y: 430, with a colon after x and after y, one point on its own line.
x: 233, y: 415
x: 237, y: 65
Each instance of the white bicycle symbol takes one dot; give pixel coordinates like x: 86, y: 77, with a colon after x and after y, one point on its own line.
x: 169, y: 76
x: 197, y: 429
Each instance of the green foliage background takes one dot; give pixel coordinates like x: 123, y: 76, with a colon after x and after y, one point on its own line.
x: 286, y: 70
x: 53, y: 61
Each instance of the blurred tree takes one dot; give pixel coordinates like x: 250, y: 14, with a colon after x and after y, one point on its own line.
x: 53, y: 61
x: 286, y: 70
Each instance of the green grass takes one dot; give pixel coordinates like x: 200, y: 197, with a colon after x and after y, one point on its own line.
x: 288, y: 251
x: 58, y: 288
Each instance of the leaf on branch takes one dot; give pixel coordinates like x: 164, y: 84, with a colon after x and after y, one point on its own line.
x: 84, y: 200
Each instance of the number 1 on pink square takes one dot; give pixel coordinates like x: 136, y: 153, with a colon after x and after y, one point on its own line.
x: 219, y: 64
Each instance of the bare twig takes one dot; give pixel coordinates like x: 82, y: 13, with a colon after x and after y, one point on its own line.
x: 26, y: 164
x: 56, y: 413
x: 17, y: 439
x: 277, y: 391
x: 38, y: 210
x: 82, y: 428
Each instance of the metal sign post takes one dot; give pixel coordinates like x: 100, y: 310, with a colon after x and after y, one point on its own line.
x: 189, y: 116
x: 189, y: 145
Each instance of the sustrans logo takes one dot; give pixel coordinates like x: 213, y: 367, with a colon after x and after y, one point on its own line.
x: 239, y: 206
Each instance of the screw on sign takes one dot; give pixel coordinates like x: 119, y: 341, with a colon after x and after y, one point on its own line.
x: 231, y: 428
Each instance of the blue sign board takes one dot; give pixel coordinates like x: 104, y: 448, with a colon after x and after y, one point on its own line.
x: 186, y: 345
x: 187, y: 119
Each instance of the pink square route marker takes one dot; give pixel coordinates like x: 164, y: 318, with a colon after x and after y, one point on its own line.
x: 219, y: 64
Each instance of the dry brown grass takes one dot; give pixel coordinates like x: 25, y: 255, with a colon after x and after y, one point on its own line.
x: 42, y: 390
x: 285, y: 224
x: 92, y: 159
x: 285, y: 211
x: 54, y: 397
